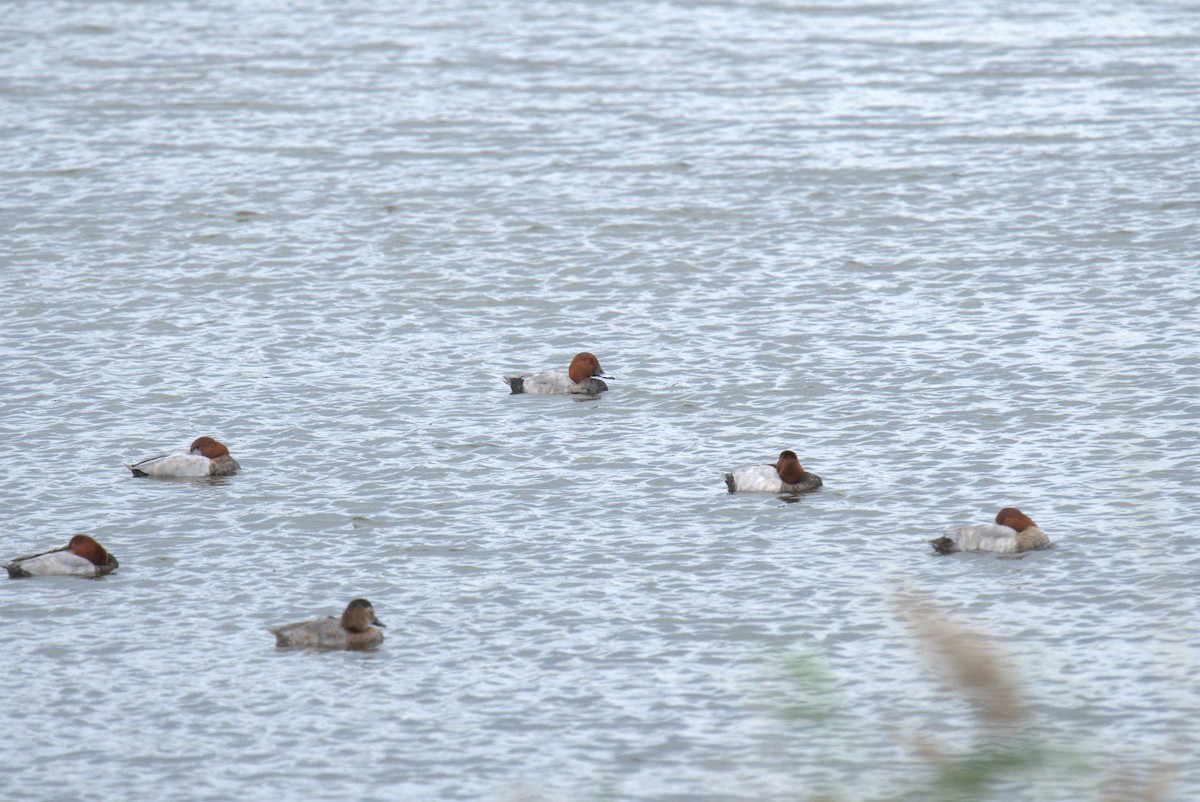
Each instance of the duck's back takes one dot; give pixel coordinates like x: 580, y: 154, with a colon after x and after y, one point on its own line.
x: 754, y: 478
x: 986, y: 537
x: 52, y: 563
x: 325, y: 633
x: 548, y: 381
x: 173, y: 465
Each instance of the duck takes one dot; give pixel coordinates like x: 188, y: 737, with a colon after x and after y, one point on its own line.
x: 205, y: 457
x: 82, y: 556
x: 786, y: 475
x: 353, y: 630
x: 1014, y: 531
x: 583, y: 377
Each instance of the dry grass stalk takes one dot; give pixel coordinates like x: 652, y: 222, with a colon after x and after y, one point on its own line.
x: 969, y: 661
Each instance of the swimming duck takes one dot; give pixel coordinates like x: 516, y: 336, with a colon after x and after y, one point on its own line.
x: 1013, y: 531
x: 353, y: 630
x: 205, y: 457
x: 787, y: 475
x: 583, y: 377
x: 83, y: 556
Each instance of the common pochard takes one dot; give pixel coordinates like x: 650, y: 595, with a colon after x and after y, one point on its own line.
x: 205, y: 457
x: 1013, y: 531
x: 353, y: 630
x: 83, y: 556
x: 786, y: 475
x: 583, y: 377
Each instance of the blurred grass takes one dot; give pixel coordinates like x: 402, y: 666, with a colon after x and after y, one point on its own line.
x: 1002, y: 752
x: 811, y: 698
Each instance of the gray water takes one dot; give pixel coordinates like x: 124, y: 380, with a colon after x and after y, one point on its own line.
x: 946, y: 252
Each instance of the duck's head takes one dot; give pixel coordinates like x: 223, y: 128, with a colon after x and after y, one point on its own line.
x: 1011, y: 516
x: 789, y: 468
x: 359, y: 616
x: 208, y: 447
x: 89, y: 549
x: 583, y: 366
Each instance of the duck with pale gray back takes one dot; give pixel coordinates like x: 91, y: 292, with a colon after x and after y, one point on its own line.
x: 583, y: 377
x: 82, y: 556
x: 1014, y: 531
x: 785, y: 475
x: 205, y: 457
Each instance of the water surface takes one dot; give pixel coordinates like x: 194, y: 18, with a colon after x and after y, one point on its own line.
x: 948, y: 255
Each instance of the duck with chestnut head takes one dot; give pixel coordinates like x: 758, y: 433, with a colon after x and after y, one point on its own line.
x: 204, y: 457
x: 1013, y: 532
x: 82, y: 556
x: 785, y: 475
x: 584, y: 376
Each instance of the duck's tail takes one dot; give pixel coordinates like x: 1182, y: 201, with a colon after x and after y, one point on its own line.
x: 730, y: 483
x: 944, y: 545
x: 516, y: 383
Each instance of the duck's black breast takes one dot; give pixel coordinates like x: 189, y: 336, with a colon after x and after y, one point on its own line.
x: 810, y: 481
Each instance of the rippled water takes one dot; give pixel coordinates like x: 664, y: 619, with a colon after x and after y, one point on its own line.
x: 946, y: 252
